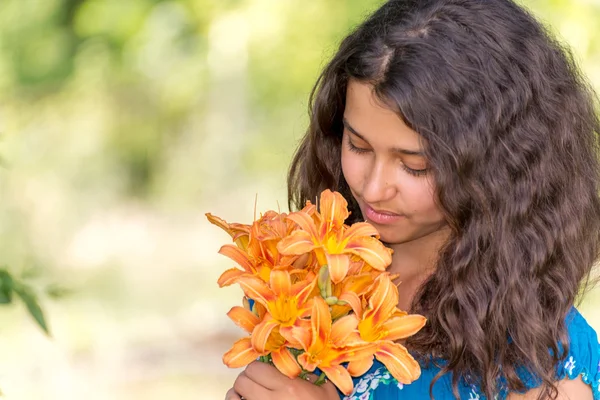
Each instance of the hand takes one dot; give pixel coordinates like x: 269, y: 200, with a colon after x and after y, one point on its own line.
x: 260, y: 381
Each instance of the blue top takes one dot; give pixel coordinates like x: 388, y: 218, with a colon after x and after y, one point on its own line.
x: 583, y: 359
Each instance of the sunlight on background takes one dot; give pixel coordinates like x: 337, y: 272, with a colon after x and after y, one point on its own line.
x: 122, y: 123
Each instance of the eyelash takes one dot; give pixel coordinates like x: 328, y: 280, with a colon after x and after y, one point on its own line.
x: 358, y: 150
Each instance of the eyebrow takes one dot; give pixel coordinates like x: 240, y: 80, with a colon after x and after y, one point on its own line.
x: 393, y: 149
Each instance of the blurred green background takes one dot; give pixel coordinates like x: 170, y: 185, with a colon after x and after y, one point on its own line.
x: 121, y: 123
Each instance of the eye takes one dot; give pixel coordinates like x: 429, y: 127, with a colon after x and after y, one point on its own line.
x: 353, y: 148
x: 414, y: 172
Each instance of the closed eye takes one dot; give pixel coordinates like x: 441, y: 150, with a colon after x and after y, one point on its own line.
x: 359, y: 150
x: 414, y: 172
x: 355, y: 149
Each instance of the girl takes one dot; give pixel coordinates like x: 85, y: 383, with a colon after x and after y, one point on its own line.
x: 467, y: 137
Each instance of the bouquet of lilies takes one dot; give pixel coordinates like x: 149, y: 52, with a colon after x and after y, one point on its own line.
x: 317, y: 295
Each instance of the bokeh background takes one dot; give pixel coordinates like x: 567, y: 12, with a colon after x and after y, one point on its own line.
x: 121, y: 123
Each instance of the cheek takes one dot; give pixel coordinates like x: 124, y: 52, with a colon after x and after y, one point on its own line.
x: 419, y: 196
x: 352, y: 169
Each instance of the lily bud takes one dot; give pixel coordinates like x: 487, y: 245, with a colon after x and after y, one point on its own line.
x: 324, y: 282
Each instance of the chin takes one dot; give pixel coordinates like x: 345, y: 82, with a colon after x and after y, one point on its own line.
x: 392, y: 239
x: 391, y: 235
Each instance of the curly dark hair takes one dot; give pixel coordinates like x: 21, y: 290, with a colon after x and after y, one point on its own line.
x: 512, y: 142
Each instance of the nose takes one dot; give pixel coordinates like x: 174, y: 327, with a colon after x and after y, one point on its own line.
x: 379, y: 183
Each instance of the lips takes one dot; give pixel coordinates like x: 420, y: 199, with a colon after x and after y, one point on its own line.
x: 384, y: 212
x: 381, y: 217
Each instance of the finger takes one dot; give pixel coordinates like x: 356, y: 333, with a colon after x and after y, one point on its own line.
x: 328, y: 387
x: 232, y: 395
x: 249, y: 389
x: 266, y: 375
x: 331, y: 390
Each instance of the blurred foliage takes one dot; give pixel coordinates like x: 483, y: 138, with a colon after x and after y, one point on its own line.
x: 143, y: 69
x: 9, y: 286
x: 145, y: 65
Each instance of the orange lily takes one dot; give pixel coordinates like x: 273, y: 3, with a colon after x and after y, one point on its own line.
x: 239, y: 232
x: 265, y: 233
x: 329, y: 345
x: 382, y: 323
x: 252, y: 267
x: 256, y: 247
x: 285, y: 304
x: 244, y: 352
x: 249, y: 266
x: 352, y: 285
x: 318, y: 286
x: 333, y: 242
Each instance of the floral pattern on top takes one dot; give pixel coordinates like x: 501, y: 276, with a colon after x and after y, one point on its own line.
x: 582, y: 360
x: 586, y: 376
x: 365, y: 388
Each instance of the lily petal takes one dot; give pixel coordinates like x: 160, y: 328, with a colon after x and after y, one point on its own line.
x: 286, y: 363
x: 371, y: 250
x: 399, y: 313
x: 260, y: 335
x: 338, y: 311
x: 281, y: 283
x: 355, y: 341
x: 342, y: 328
x: 308, y: 363
x: 303, y: 289
x: 243, y: 318
x: 305, y: 222
x: 232, y: 229
x: 383, y: 301
x: 220, y: 222
x: 361, y: 229
x: 298, y: 335
x: 339, y: 376
x: 356, y: 267
x: 241, y: 239
x: 229, y: 277
x: 403, y: 327
x: 241, y: 354
x: 300, y: 262
x: 297, y: 243
x: 357, y: 351
x: 309, y: 208
x: 320, y: 322
x: 338, y: 266
x: 256, y: 289
x: 354, y: 302
x: 360, y: 367
x: 399, y: 362
x: 237, y: 255
x: 357, y: 283
x: 334, y: 209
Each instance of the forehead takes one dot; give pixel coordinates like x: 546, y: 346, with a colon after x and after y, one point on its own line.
x: 375, y: 121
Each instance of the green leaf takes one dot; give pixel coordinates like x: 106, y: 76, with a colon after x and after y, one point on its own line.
x: 58, y: 292
x: 6, y: 287
x: 30, y: 300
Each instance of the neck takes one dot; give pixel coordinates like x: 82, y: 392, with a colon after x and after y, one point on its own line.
x: 414, y: 262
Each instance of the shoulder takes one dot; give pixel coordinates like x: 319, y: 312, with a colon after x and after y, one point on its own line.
x: 580, y: 369
x: 583, y: 358
x: 567, y: 389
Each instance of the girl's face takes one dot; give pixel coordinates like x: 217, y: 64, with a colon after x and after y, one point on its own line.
x: 384, y: 165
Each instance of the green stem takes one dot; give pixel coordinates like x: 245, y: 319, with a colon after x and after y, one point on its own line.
x: 303, y: 374
x: 321, y: 380
x: 266, y: 359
